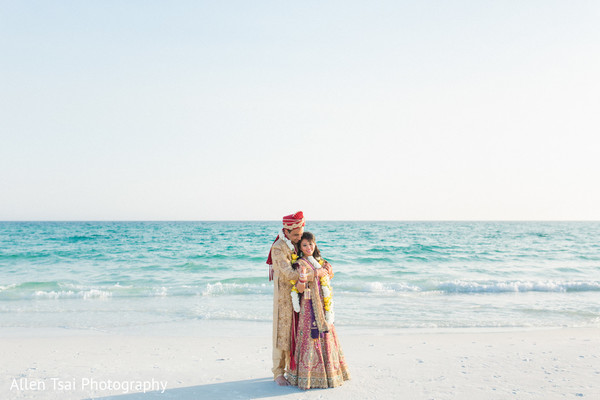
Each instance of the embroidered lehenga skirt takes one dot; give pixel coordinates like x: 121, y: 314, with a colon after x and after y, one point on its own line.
x: 318, y: 358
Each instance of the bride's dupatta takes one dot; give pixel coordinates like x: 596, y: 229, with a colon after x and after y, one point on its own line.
x: 318, y: 314
x: 317, y: 303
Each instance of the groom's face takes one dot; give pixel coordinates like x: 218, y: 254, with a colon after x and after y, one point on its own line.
x: 295, y: 235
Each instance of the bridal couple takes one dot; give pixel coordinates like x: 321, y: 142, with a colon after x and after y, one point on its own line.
x: 306, y: 351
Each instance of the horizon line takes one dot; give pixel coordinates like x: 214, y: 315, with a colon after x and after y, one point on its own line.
x: 315, y: 220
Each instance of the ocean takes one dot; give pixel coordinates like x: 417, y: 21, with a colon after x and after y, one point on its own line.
x: 113, y: 276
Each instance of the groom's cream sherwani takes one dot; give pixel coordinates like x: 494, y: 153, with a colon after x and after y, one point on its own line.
x: 282, y: 305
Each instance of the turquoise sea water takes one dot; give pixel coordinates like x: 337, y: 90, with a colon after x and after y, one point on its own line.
x: 112, y: 275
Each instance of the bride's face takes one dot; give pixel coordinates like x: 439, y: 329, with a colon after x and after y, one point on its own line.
x: 307, y: 247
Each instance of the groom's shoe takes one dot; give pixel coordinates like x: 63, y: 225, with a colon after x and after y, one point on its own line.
x: 281, y: 381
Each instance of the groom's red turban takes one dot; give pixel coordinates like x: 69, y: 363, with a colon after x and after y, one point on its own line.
x: 293, y: 221
x: 290, y: 222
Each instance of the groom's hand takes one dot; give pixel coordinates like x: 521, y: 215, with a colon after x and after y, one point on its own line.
x: 329, y: 269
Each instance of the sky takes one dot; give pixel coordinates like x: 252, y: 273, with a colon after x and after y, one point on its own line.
x: 347, y: 110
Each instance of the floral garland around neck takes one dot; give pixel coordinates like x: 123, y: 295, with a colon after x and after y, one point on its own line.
x: 295, y: 297
x: 327, y: 296
x: 294, y: 291
x: 325, y: 288
x: 287, y: 241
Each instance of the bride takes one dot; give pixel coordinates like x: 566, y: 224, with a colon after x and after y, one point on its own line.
x: 317, y: 359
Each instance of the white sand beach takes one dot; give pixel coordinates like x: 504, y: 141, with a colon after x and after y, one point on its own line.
x: 224, y: 363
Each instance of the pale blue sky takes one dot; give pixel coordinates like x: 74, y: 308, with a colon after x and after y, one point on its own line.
x: 194, y: 110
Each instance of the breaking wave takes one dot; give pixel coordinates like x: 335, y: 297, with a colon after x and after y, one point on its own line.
x: 462, y: 286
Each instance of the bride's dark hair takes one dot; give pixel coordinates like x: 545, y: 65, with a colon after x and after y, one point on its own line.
x: 311, y: 238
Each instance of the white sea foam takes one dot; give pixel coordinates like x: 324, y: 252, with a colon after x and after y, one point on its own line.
x: 219, y: 288
x: 41, y: 294
x: 234, y: 315
x: 95, y: 294
x: 517, y: 286
x: 118, y: 285
x: 383, y: 288
x: 2, y: 288
x: 69, y: 294
x: 463, y: 286
x: 380, y: 287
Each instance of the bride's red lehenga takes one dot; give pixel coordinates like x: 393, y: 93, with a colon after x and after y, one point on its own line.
x: 317, y: 357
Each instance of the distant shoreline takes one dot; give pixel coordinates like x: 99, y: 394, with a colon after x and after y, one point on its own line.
x: 323, y: 220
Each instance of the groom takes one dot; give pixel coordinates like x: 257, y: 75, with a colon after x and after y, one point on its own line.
x: 281, y: 272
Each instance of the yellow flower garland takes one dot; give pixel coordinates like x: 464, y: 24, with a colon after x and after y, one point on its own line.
x: 325, y: 288
x: 295, y: 296
x: 327, y: 293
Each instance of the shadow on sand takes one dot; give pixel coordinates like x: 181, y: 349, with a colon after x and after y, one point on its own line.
x: 248, y: 389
